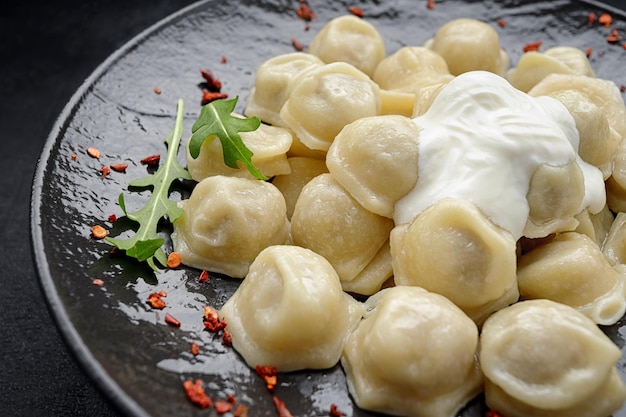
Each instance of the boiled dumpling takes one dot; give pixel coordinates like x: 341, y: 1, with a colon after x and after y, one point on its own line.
x: 290, y: 311
x: 413, y: 354
x: 374, y: 276
x: 614, y: 247
x: 544, y: 359
x: 303, y: 170
x: 227, y: 221
x: 326, y: 99
x: 352, y: 40
x: 596, y: 226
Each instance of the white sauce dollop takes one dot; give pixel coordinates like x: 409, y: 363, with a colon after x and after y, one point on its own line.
x: 482, y: 140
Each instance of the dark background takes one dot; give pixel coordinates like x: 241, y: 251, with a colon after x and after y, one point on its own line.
x: 47, y: 49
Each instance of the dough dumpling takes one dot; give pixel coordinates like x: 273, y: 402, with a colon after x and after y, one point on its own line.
x: 469, y: 45
x: 272, y: 84
x: 614, y: 247
x: 290, y: 311
x: 327, y: 220
x: 376, y: 160
x: 227, y: 221
x: 572, y: 270
x: 326, y: 99
x: 374, y: 276
x: 596, y: 226
x: 413, y: 354
x: 303, y: 170
x: 544, y: 359
x: 349, y: 39
x: 269, y: 145
x: 453, y: 249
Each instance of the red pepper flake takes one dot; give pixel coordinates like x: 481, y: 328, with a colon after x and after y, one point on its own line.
x: 227, y: 339
x: 430, y: 4
x: 334, y: 411
x: 297, y: 45
x: 195, y: 349
x: 533, y: 46
x: 93, y: 152
x: 613, y: 37
x: 152, y: 160
x: 269, y: 375
x: 231, y: 398
x: 196, y: 394
x: 281, y: 408
x: 204, y: 276
x: 589, y: 51
x: 112, y: 218
x: 169, y: 319
x: 622, y: 87
x: 212, y: 321
x: 241, y: 411
x: 209, y: 96
x: 104, y: 171
x: 501, y: 23
x: 119, y: 167
x: 99, y: 232
x: 605, y: 19
x: 223, y: 407
x: 157, y: 90
x: 591, y: 18
x: 223, y: 60
x: 73, y: 156
x: 304, y: 12
x: 155, y: 301
x: 357, y: 11
x: 98, y: 282
x: 174, y: 260
x: 212, y: 82
x: 492, y: 413
x: 624, y: 45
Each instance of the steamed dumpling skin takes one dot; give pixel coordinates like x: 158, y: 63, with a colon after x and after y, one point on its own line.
x: 227, y: 222
x: 544, y: 359
x: 290, y: 311
x: 413, y: 354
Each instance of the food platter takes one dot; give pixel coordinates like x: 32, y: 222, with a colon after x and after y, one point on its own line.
x: 127, y: 107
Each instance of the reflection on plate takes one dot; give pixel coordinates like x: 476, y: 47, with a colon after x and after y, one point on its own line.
x: 125, y: 346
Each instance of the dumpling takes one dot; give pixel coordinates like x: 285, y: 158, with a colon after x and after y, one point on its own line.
x: 596, y: 226
x: 614, y: 247
x: 290, y: 311
x: 376, y: 160
x: 535, y: 66
x: 272, y: 84
x: 544, y: 359
x: 269, y: 145
x: 327, y: 220
x: 572, y: 270
x: 469, y: 45
x: 227, y: 222
x: 352, y: 40
x: 374, y: 276
x: 326, y: 99
x: 413, y: 354
x: 453, y: 249
x: 303, y: 170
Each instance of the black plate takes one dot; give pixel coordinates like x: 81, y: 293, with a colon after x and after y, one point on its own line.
x: 124, y: 345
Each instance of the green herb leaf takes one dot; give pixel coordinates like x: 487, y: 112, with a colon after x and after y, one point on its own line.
x: 146, y: 245
x: 216, y: 120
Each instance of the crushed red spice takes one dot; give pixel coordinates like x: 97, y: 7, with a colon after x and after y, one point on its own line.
x: 589, y: 51
x: 155, y: 300
x: 622, y: 87
x: 195, y: 349
x: 430, y: 4
x: 169, y: 319
x: 532, y: 46
x: 223, y: 60
x: 152, y: 160
x: 204, y: 276
x: 334, y: 411
x: 98, y: 282
x: 357, y: 11
x: 209, y: 96
x: 304, y: 11
x: 492, y: 413
x: 297, y: 45
x: 613, y: 36
x: 241, y: 411
x: 112, y: 218
x: 222, y: 407
x: 281, y: 408
x: 99, y: 232
x: 157, y: 90
x: 591, y: 18
x: 196, y: 394
x: 227, y: 339
x: 212, y: 82
x: 501, y: 23
x: 174, y: 260
x: 73, y: 156
x: 231, y: 398
x: 119, y: 167
x: 93, y: 152
x: 104, y: 171
x: 605, y: 19
x: 211, y: 320
x: 269, y: 374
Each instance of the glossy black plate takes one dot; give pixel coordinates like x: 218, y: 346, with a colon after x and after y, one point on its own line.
x: 124, y: 345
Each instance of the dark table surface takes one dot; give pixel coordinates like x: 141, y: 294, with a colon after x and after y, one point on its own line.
x: 47, y: 49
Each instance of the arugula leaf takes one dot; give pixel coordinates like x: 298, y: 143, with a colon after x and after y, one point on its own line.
x: 216, y: 120
x: 145, y: 244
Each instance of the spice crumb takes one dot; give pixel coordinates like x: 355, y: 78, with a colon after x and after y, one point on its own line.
x: 334, y: 411
x: 222, y: 407
x: 196, y: 394
x: 532, y: 46
x: 104, y: 171
x: 204, y: 276
x: 357, y: 11
x: 430, y: 4
x: 174, y: 260
x: 99, y: 232
x: 613, y: 36
x: 195, y: 349
x: 98, y: 282
x: 297, y: 45
x: 152, y: 160
x: 501, y: 23
x: 93, y: 152
x: 73, y: 156
x: 169, y: 319
x: 605, y: 19
x: 155, y: 301
x: 119, y: 167
x: 157, y: 90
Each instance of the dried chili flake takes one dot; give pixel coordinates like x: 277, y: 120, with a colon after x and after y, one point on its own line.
x: 532, y: 46
x: 492, y: 413
x: 174, y: 260
x: 605, y: 19
x: 195, y: 349
x: 73, y: 156
x: 112, y: 218
x: 622, y: 87
x: 589, y: 51
x: 119, y: 167
x: 430, y: 4
x: 155, y: 300
x: 334, y: 411
x: 204, y: 276
x: 304, y: 12
x: 223, y: 60
x: 297, y: 45
x: 269, y: 374
x: 93, y: 152
x: 212, y: 82
x: 222, y: 407
x: 212, y: 321
x: 157, y: 90
x: 591, y: 18
x: 241, y: 411
x: 209, y: 96
x: 281, y: 408
x: 98, y: 282
x: 501, y: 23
x: 99, y: 232
x: 231, y: 398
x: 196, y: 394
x: 169, y: 319
x: 613, y: 36
x: 357, y: 11
x: 152, y: 160
x: 227, y: 339
x: 104, y: 171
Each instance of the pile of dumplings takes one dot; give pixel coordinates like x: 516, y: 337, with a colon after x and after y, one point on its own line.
x: 438, y: 222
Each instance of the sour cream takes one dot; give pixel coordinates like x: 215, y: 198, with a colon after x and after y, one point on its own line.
x: 482, y: 140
